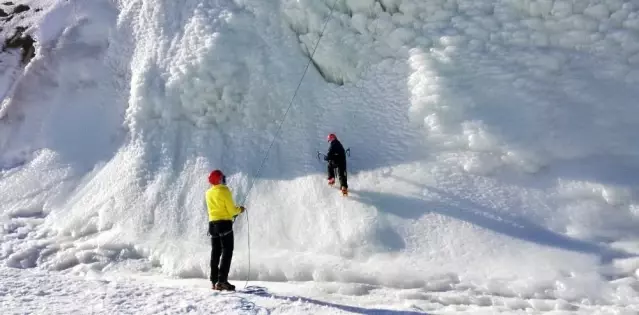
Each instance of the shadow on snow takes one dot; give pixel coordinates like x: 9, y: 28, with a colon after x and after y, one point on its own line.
x: 411, y: 207
x: 262, y: 292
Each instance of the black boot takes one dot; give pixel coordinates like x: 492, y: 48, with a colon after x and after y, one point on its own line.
x: 224, y: 286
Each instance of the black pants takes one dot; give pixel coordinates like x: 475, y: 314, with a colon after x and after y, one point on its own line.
x: 341, y: 172
x: 222, y: 243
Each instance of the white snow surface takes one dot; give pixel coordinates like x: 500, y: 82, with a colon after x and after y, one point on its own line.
x: 493, y: 166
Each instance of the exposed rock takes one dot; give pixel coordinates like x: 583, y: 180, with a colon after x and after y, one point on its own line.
x: 24, y: 42
x: 21, y: 8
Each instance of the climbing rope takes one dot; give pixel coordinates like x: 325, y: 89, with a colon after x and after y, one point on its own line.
x: 279, y: 128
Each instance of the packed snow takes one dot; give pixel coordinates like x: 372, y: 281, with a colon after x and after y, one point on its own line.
x: 493, y: 156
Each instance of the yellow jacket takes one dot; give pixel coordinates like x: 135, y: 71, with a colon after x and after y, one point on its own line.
x: 219, y: 202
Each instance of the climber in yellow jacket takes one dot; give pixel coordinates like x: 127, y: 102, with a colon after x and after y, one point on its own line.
x: 222, y: 210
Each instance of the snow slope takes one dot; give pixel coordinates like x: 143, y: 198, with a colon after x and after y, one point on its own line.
x: 493, y: 152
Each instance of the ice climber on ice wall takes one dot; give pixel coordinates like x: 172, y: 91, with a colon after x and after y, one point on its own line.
x: 222, y: 210
x: 336, y: 158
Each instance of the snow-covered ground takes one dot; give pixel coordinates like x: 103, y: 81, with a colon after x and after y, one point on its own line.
x: 494, y: 156
x: 33, y: 291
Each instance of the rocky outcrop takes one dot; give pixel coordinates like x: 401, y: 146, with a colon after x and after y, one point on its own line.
x: 21, y: 41
x: 18, y: 39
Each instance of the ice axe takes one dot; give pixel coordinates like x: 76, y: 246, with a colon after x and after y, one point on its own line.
x: 320, y: 154
x: 348, y: 153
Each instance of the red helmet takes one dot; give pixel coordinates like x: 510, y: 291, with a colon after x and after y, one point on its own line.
x: 217, y: 177
x: 331, y: 137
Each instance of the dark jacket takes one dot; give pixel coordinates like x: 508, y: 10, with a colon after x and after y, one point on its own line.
x: 336, y: 153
